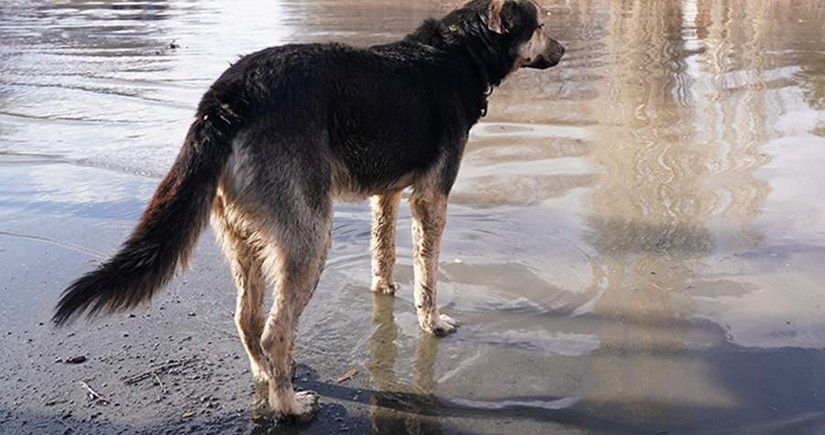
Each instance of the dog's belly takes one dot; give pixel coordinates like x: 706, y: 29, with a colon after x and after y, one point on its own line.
x: 380, y: 154
x: 346, y: 188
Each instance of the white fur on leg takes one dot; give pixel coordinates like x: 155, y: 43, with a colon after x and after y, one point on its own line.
x: 382, y: 286
x: 235, y: 237
x: 438, y: 324
x: 384, y: 211
x: 258, y: 372
x: 429, y: 214
x: 289, y: 405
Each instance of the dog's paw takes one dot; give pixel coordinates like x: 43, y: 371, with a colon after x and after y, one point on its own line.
x: 300, y: 408
x: 441, y: 326
x: 386, y: 288
x: 306, y: 405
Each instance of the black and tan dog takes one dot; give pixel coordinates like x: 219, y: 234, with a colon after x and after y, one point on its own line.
x: 286, y: 131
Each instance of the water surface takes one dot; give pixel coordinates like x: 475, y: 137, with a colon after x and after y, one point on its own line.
x: 635, y: 240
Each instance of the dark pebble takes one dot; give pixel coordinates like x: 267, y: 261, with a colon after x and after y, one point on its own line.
x: 75, y: 359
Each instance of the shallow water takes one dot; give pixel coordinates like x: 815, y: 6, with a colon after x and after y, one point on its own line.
x: 635, y: 240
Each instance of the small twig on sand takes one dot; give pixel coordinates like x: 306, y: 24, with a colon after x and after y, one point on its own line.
x: 162, y: 388
x: 92, y: 394
x: 157, y: 371
x: 347, y: 376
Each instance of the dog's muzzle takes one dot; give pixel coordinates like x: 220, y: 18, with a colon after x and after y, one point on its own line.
x: 550, y: 57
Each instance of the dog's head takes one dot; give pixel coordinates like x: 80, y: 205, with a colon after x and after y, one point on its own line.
x: 493, y: 38
x: 521, y: 24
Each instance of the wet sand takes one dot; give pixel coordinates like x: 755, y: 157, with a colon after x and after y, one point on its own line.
x: 646, y: 370
x: 635, y: 241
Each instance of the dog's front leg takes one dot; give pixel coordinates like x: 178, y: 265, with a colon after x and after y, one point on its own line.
x: 382, y: 242
x: 429, y: 215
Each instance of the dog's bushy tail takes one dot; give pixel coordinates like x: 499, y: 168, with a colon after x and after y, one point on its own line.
x: 166, y: 234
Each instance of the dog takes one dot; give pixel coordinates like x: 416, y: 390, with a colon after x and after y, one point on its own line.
x: 286, y: 131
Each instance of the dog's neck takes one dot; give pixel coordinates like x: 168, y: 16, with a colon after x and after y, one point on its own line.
x: 469, y: 51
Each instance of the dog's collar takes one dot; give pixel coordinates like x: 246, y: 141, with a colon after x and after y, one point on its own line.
x: 484, y: 102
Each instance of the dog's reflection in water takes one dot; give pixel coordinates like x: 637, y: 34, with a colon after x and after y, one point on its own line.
x: 397, y: 408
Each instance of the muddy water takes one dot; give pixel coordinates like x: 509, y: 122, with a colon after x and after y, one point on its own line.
x: 635, y: 241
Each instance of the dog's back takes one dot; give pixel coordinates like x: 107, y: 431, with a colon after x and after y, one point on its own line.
x: 378, y: 115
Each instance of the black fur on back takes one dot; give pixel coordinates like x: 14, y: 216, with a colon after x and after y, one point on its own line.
x: 389, y: 110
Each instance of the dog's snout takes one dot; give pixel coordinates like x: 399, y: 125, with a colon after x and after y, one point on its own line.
x: 554, y: 52
x: 555, y: 48
x: 549, y: 57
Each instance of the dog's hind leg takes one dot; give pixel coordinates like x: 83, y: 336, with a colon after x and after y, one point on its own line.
x: 244, y: 258
x: 382, y: 242
x: 293, y: 262
x: 429, y: 215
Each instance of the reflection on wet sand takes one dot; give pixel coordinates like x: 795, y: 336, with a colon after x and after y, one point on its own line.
x: 678, y: 188
x: 390, y: 413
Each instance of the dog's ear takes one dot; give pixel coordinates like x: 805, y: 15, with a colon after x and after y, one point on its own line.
x: 500, y: 15
x: 494, y: 16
